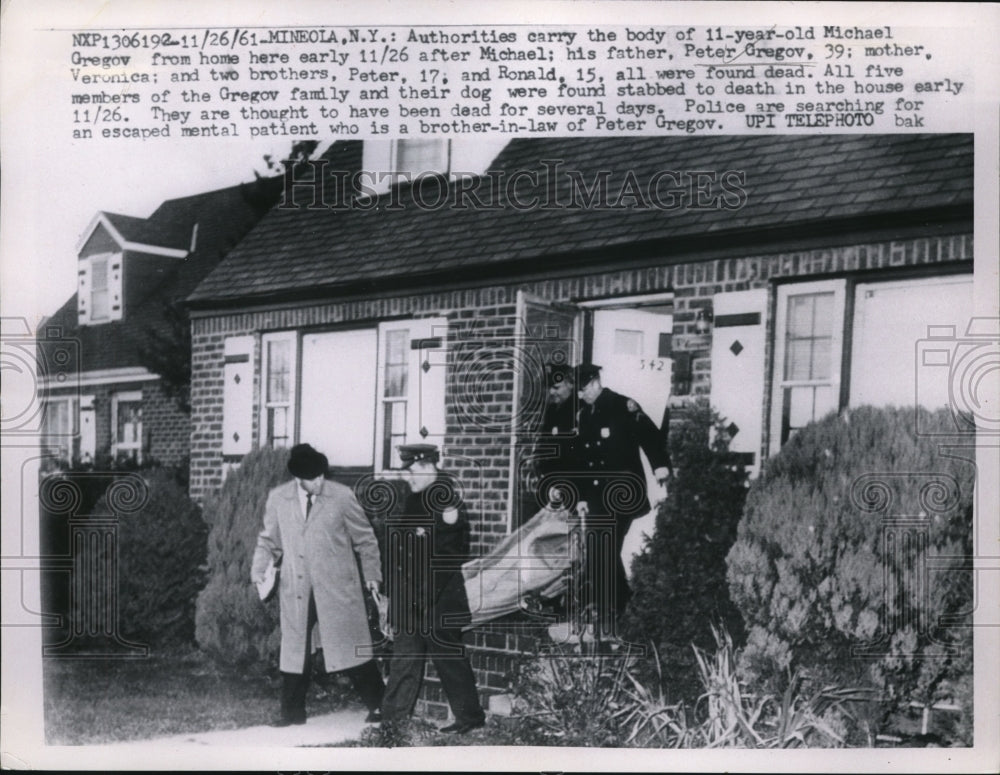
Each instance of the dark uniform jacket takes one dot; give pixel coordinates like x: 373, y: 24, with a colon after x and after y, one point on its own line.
x: 556, y: 436
x: 610, y: 434
x: 554, y: 452
x: 425, y: 555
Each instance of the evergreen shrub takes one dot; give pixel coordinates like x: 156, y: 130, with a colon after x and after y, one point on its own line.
x: 161, y: 562
x: 159, y: 549
x: 232, y: 624
x: 850, y: 563
x: 679, y: 578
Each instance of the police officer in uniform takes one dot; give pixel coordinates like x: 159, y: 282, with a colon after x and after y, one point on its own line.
x: 554, y: 448
x: 612, y: 428
x: 426, y: 546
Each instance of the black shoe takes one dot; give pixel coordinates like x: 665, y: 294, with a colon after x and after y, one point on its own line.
x: 286, y: 721
x: 374, y: 716
x: 460, y: 728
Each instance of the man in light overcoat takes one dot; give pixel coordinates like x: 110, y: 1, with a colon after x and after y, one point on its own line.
x: 314, y: 528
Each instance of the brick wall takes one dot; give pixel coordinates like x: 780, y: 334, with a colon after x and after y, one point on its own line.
x: 166, y: 430
x: 482, y: 326
x: 495, y: 651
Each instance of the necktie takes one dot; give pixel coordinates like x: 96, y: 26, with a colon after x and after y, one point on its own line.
x: 309, y: 503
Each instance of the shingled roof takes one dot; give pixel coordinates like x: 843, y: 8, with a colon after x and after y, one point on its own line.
x: 223, y: 217
x: 831, y: 181
x: 161, y: 232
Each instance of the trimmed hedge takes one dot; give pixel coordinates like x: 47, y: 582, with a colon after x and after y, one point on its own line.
x: 232, y: 624
x: 830, y: 562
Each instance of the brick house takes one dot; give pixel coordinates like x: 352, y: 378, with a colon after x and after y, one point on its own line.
x: 131, y: 274
x: 781, y: 277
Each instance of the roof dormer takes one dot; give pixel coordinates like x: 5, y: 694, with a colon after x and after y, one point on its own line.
x: 107, y: 247
x: 100, y: 289
x: 406, y: 160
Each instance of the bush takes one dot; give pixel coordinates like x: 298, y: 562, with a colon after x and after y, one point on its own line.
x: 571, y: 695
x: 842, y: 531
x: 159, y: 552
x: 161, y: 563
x: 231, y: 622
x: 679, y: 578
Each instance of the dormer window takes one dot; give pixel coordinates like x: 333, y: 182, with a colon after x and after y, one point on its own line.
x: 421, y: 156
x: 99, y: 306
x: 114, y: 244
x: 388, y: 163
x: 99, y: 295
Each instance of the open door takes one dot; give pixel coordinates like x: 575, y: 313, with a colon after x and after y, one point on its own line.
x: 547, y: 332
x: 633, y: 347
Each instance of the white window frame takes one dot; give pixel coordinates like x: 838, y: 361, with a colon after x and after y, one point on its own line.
x: 114, y: 309
x: 779, y: 384
x: 117, y: 447
x: 95, y: 261
x: 63, y: 438
x: 292, y: 338
x: 417, y: 328
x: 442, y: 155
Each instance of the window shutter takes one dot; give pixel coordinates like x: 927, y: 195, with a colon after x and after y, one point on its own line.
x: 83, y: 292
x: 237, y: 396
x: 88, y: 428
x: 116, y: 296
x: 428, y: 354
x: 738, y: 369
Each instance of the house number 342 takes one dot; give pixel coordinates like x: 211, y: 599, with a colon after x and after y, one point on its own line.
x: 656, y: 365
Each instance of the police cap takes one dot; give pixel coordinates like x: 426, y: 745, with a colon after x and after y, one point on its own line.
x: 585, y: 372
x: 418, y: 453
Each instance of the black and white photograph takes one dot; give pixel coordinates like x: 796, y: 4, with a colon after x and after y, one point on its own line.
x: 507, y: 390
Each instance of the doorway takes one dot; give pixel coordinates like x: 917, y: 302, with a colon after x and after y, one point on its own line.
x: 629, y: 337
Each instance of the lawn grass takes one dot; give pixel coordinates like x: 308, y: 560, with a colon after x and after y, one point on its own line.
x: 94, y: 701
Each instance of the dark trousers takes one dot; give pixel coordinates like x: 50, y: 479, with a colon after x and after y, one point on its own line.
x: 366, y: 679
x: 601, y: 590
x: 406, y: 672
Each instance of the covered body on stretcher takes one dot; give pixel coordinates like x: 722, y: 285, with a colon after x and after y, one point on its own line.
x: 533, y: 562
